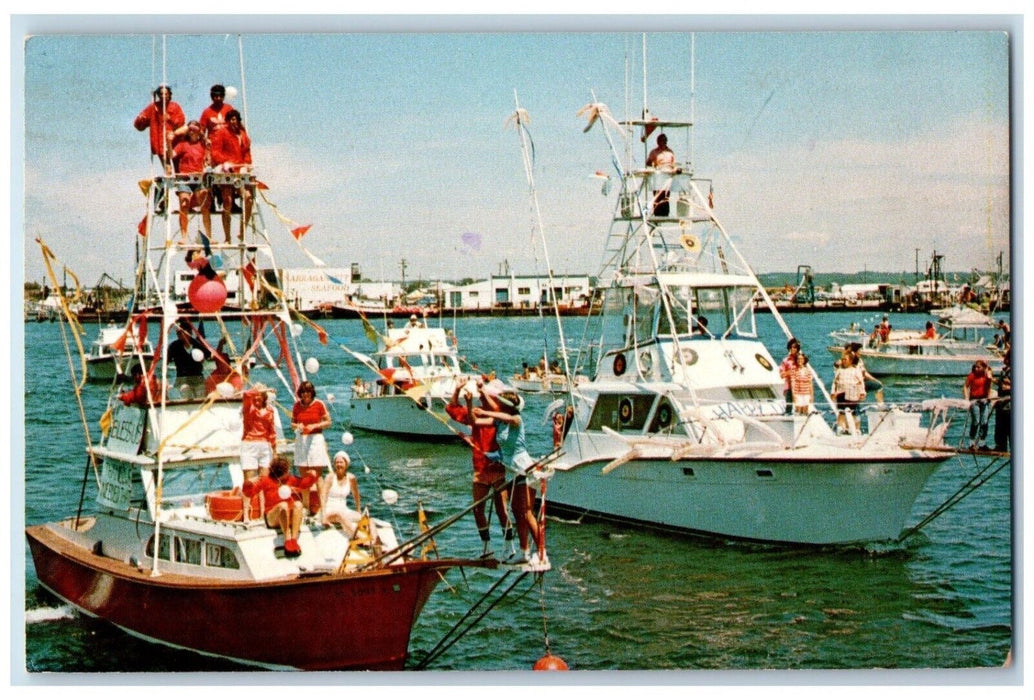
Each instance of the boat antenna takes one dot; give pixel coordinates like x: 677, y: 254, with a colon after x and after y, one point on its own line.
x: 692, y: 96
x: 520, y: 120
x: 244, y: 91
x: 646, y: 102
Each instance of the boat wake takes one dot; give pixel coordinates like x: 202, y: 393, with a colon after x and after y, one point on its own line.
x: 61, y: 612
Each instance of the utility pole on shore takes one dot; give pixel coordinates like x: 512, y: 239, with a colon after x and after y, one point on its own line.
x: 402, y: 264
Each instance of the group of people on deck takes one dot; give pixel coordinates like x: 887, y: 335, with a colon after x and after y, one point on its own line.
x: 982, y: 389
x: 320, y: 486
x: 848, y: 390
x: 217, y: 141
x: 317, y: 488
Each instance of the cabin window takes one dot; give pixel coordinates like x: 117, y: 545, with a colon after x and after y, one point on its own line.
x: 163, y: 547
x: 220, y: 557
x: 181, y: 484
x: 191, y: 552
x: 752, y: 392
x: 621, y: 411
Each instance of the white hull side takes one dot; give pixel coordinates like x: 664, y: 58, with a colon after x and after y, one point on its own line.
x: 816, y: 502
x: 106, y: 368
x: 401, y: 415
x: 903, y: 364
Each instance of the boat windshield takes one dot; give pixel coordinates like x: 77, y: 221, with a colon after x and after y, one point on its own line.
x: 708, y: 311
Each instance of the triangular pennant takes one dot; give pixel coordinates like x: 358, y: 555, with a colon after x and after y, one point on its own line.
x: 300, y: 231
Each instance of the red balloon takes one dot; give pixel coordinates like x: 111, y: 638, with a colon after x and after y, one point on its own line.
x: 207, y: 295
x: 550, y: 663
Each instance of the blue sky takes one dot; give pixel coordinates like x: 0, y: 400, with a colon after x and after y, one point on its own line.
x: 841, y: 150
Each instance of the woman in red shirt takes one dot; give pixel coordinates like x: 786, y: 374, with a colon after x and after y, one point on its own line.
x: 283, y: 509
x: 258, y: 442
x: 977, y: 390
x: 309, y: 418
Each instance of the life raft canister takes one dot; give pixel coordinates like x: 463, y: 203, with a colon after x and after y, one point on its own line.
x: 227, y: 505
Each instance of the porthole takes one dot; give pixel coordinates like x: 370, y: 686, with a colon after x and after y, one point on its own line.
x: 763, y: 361
x: 620, y: 364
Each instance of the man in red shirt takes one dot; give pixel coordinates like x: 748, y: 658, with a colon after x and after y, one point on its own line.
x: 977, y: 390
x: 213, y: 117
x: 190, y: 157
x: 231, y: 153
x: 145, y: 389
x: 163, y: 117
x: 489, y: 472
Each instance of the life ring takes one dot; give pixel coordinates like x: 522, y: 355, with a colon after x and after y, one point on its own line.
x: 625, y: 411
x: 763, y: 361
x: 664, y: 415
x: 620, y: 364
x: 689, y: 356
x: 646, y: 361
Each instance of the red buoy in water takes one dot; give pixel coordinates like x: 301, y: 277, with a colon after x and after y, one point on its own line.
x: 550, y: 663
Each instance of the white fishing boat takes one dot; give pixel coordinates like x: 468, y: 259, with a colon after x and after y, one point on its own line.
x: 535, y: 382
x: 415, y: 371
x: 114, y: 352
x: 177, y: 550
x: 963, y: 336
x: 683, y: 425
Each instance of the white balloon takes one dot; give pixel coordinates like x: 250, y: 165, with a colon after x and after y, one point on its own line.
x: 296, y: 329
x: 347, y: 438
x: 330, y: 397
x: 390, y: 496
x: 284, y: 492
x: 197, y: 355
x: 225, y: 389
x: 231, y: 92
x: 312, y: 365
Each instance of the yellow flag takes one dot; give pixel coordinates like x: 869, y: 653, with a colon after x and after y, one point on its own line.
x: 430, y: 546
x: 371, y: 333
x: 145, y: 186
x: 105, y: 422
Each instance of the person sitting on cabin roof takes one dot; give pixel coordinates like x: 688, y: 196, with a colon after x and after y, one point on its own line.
x: 337, y: 487
x: 414, y: 322
x: 930, y: 333
x: 283, y: 509
x: 144, y: 391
